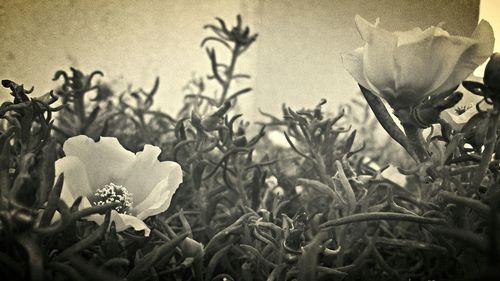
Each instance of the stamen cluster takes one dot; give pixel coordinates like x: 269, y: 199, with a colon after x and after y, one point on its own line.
x: 112, y: 193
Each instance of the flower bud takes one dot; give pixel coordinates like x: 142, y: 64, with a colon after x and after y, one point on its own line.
x: 278, y: 191
x: 492, y: 72
x: 192, y: 248
x: 211, y: 123
x: 240, y: 141
x: 196, y: 120
x: 271, y: 182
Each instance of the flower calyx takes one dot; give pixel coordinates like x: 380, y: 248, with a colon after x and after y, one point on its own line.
x: 427, y: 113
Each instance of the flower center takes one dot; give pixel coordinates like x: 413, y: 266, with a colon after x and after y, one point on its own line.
x: 112, y: 193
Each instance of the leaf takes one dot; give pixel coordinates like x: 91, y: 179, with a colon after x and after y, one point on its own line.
x: 349, y: 142
x: 197, y: 173
x: 87, y: 241
x: 151, y: 258
x: 52, y: 202
x: 215, y: 260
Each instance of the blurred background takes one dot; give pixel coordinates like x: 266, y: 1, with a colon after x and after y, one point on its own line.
x: 296, y: 58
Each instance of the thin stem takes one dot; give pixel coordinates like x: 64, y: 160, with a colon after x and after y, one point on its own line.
x: 229, y: 74
x: 379, y: 216
x: 80, y: 111
x: 474, y: 204
x: 489, y: 146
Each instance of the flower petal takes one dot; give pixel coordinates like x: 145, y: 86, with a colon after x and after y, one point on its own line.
x: 378, y: 65
x: 105, y: 161
x: 122, y: 222
x: 158, y: 200
x: 353, y: 63
x: 475, y: 55
x: 410, y: 36
x: 152, y: 183
x: 486, y: 41
x: 76, y: 182
x: 426, y: 64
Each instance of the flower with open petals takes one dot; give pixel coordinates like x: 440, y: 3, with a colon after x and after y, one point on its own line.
x: 105, y: 172
x: 405, y: 67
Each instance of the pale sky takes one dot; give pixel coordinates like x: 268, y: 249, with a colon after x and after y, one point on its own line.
x: 490, y: 11
x: 296, y: 58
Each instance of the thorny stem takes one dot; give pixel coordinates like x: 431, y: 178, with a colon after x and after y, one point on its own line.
x: 489, y: 146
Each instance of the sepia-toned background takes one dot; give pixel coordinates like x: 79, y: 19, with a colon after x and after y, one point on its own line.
x: 296, y: 58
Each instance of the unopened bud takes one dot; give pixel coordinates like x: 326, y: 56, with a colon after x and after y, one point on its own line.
x: 211, y: 123
x: 240, y: 141
x: 271, y: 181
x: 492, y: 73
x: 278, y: 191
x: 192, y: 248
x: 195, y: 120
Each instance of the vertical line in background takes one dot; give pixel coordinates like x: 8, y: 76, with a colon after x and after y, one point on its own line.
x: 490, y: 10
x: 248, y: 62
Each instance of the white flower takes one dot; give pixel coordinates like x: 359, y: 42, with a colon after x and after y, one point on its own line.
x: 405, y: 67
x: 104, y: 172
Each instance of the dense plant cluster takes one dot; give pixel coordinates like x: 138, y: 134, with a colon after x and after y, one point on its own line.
x: 302, y: 196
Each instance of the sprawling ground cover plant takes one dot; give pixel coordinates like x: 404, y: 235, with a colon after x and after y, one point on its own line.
x: 308, y: 195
